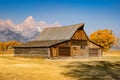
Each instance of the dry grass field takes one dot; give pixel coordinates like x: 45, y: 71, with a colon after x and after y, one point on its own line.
x: 105, y: 68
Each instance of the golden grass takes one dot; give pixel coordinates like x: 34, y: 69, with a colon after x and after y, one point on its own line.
x: 30, y: 69
x: 112, y: 53
x: 10, y: 51
x: 16, y: 68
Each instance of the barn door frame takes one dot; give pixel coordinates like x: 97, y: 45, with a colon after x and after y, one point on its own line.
x: 61, y: 48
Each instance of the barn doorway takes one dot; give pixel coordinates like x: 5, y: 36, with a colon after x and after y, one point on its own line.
x: 64, y: 51
x: 93, y: 52
x: 54, y: 52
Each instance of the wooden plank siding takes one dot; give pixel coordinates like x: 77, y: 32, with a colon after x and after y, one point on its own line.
x: 80, y: 35
x: 79, y: 43
x: 31, y: 52
x: 64, y: 51
x: 94, y: 50
x: 60, y: 49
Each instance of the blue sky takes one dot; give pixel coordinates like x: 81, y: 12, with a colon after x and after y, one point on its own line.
x: 96, y: 14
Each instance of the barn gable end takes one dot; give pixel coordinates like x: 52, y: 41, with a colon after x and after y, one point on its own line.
x: 67, y: 41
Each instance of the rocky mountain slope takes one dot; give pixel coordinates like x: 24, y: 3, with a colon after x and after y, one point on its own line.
x: 26, y: 31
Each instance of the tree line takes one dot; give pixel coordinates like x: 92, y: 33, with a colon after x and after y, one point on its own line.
x: 5, y: 46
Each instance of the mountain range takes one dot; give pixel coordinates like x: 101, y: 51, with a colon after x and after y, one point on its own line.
x: 24, y: 32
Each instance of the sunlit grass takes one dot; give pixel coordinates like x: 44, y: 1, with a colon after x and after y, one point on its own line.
x: 12, y: 68
x: 6, y: 52
x: 18, y: 68
x: 112, y: 53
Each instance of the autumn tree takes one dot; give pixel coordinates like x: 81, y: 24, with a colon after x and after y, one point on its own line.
x: 4, y: 46
x: 13, y: 43
x: 1, y: 46
x: 104, y: 38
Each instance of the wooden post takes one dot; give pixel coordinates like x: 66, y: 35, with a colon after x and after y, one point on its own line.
x: 57, y: 50
x: 71, y: 51
x: 14, y: 52
x: 100, y: 53
x: 49, y: 53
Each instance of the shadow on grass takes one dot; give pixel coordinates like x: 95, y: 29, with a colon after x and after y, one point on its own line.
x: 93, y: 70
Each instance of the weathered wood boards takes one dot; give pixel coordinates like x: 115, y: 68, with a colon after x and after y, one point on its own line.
x: 31, y: 52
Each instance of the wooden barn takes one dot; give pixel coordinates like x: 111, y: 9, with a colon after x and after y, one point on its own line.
x: 56, y: 42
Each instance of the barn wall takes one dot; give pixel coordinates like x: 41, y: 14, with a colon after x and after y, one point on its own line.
x: 92, y: 45
x: 65, y: 44
x: 89, y: 49
x: 31, y: 52
x: 80, y: 35
x: 79, y: 48
x: 79, y: 44
x: 62, y: 49
x: 97, y: 50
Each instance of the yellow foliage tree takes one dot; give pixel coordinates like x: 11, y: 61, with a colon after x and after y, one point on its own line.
x: 104, y: 38
x: 13, y: 43
x: 4, y: 46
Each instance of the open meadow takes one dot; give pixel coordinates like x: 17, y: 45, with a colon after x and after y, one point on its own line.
x: 104, y: 68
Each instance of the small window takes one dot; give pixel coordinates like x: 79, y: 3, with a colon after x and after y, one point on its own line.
x: 82, y: 47
x: 74, y: 48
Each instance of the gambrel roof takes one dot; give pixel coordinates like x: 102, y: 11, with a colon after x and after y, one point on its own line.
x: 52, y: 36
